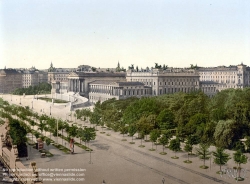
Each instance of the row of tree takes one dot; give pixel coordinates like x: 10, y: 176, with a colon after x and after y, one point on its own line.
x: 221, y: 121
x: 190, y: 118
x: 19, y: 129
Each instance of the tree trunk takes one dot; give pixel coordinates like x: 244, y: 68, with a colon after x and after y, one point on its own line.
x: 239, y: 169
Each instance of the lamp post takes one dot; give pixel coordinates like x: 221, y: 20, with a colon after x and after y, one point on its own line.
x: 57, y: 131
x: 49, y: 110
x: 90, y: 157
x: 27, y: 158
x: 210, y: 161
x: 210, y: 158
x: 11, y: 97
x: 20, y: 101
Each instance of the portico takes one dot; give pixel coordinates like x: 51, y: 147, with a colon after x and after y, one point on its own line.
x: 76, y: 85
x: 78, y: 82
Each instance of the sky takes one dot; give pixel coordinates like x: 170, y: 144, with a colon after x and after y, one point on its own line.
x: 100, y: 33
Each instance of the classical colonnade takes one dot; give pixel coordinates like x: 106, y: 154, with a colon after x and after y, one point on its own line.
x: 76, y: 85
x: 104, y: 89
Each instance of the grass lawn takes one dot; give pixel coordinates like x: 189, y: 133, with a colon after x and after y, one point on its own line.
x: 50, y: 100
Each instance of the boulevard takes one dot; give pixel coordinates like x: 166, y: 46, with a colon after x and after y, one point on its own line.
x: 115, y: 161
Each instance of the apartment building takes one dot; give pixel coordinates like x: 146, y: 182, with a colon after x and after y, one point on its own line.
x: 10, y: 79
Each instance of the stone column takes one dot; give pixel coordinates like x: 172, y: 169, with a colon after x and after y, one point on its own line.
x: 74, y: 85
x: 82, y: 86
x: 68, y: 85
x: 79, y: 85
x: 71, y: 85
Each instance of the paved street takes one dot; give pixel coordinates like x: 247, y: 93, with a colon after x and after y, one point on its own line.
x: 117, y: 161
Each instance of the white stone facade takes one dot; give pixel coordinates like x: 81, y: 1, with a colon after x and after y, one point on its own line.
x: 214, y: 79
x: 104, y: 90
x: 78, y: 82
x: 166, y: 81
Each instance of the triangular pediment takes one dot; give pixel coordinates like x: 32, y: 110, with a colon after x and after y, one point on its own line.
x: 73, y: 74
